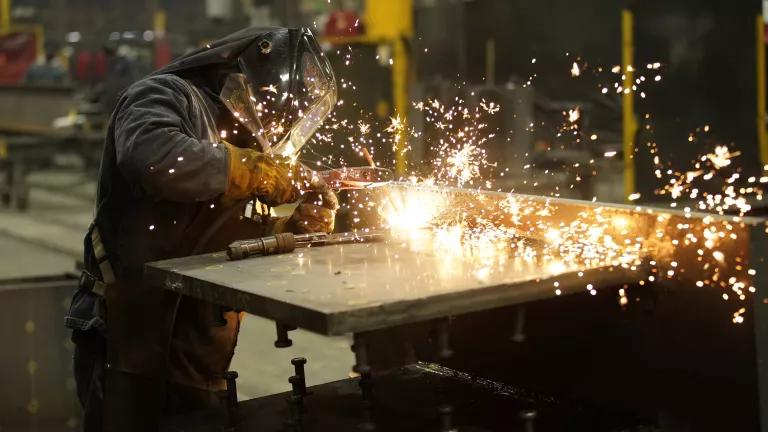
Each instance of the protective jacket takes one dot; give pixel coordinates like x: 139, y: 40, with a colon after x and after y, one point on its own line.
x: 162, y: 174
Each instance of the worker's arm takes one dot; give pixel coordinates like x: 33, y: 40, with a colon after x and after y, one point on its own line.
x: 153, y: 151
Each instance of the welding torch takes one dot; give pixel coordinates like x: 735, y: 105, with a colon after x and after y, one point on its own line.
x: 363, y: 177
x: 356, y: 177
x: 288, y: 242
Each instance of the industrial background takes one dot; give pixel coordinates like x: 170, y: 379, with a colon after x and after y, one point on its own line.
x: 703, y: 68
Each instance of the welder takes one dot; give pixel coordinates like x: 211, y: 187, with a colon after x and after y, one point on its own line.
x: 188, y: 149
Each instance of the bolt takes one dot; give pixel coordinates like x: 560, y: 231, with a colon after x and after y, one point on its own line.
x: 298, y: 366
x: 446, y: 420
x: 528, y: 417
x: 519, y: 335
x: 360, y: 348
x: 283, y: 341
x: 444, y: 350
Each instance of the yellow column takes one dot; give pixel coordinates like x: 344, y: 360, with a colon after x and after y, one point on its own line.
x: 39, y: 39
x: 5, y: 16
x: 762, y: 136
x: 400, y: 99
x: 629, y: 125
x: 392, y: 21
x: 159, y: 23
x: 389, y: 19
x: 490, y: 62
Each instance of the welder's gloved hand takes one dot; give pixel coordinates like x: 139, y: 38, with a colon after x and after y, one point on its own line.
x: 273, y: 180
x: 315, y: 213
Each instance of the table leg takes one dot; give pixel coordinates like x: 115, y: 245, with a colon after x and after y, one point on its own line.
x: 5, y: 192
x: 19, y: 189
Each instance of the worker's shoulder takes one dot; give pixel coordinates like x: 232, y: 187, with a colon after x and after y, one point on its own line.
x: 153, y: 83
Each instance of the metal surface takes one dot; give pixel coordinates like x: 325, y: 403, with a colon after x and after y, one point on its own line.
x: 357, y: 287
x: 360, y: 287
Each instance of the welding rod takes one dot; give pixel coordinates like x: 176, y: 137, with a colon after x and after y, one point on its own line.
x: 288, y: 242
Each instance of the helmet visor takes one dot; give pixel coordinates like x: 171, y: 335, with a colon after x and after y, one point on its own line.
x: 282, y: 109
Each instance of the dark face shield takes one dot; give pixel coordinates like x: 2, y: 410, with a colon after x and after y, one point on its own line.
x: 285, y: 91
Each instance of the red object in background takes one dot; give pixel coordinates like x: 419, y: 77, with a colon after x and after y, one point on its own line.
x: 162, y: 52
x: 83, y: 61
x: 343, y: 23
x: 90, y: 66
x: 100, y: 66
x: 18, y: 51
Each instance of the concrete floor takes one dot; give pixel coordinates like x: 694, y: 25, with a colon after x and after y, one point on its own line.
x: 48, y: 240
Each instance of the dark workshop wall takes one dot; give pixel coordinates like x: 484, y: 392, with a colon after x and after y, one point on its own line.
x: 708, y: 48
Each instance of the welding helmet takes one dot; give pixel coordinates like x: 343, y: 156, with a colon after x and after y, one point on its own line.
x: 284, y: 91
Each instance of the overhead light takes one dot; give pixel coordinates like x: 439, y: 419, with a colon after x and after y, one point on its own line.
x: 23, y: 12
x: 73, y: 37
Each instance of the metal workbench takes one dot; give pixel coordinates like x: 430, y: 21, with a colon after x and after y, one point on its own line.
x: 402, y: 298
x: 21, y: 154
x: 354, y: 288
x: 359, y: 287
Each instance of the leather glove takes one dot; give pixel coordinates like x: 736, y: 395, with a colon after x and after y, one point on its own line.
x: 272, y: 179
x: 315, y: 213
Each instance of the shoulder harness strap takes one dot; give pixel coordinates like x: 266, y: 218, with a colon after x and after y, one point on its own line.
x: 107, y: 274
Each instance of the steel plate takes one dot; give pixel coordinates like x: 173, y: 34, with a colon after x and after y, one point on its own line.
x: 338, y: 289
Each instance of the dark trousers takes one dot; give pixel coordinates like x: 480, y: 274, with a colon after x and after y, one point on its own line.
x: 89, y: 367
x: 89, y: 362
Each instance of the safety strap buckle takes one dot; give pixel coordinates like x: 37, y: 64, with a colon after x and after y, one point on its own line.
x: 89, y: 282
x: 107, y: 275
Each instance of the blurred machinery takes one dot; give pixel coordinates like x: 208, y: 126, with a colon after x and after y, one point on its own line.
x: 30, y: 140
x: 528, y: 146
x: 375, y: 50
x: 60, y: 123
x: 20, y: 46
